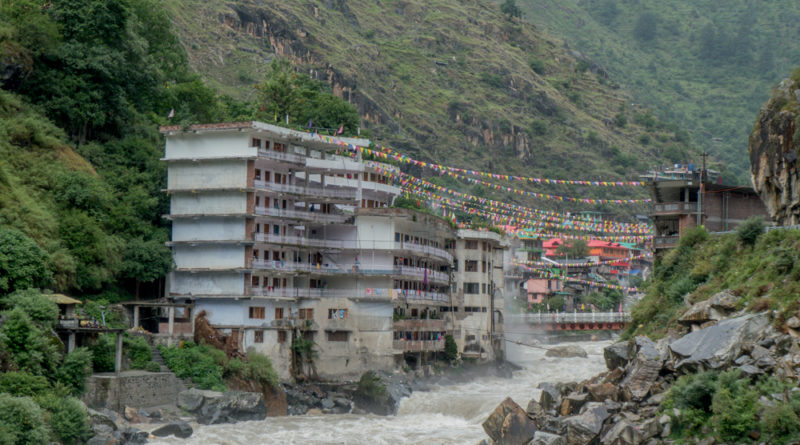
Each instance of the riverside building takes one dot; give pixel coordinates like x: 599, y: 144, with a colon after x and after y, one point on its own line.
x: 280, y: 238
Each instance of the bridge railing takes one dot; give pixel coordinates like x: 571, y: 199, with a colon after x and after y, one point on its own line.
x: 573, y: 317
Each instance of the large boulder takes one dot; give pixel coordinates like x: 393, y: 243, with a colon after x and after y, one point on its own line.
x: 550, y: 398
x: 618, y: 355
x: 542, y: 438
x: 177, y: 429
x: 232, y: 407
x: 700, y: 313
x: 585, y: 427
x: 718, y: 346
x: 572, y: 403
x: 643, y: 371
x: 774, y: 148
x: 566, y: 351
x: 600, y: 392
x: 192, y: 399
x: 623, y: 433
x: 508, y: 424
x: 379, y: 394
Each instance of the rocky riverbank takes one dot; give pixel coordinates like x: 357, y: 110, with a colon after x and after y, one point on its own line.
x: 626, y: 404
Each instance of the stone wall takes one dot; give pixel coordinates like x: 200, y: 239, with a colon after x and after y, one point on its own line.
x: 138, y: 389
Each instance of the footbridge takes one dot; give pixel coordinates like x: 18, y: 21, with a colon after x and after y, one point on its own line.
x: 571, y: 321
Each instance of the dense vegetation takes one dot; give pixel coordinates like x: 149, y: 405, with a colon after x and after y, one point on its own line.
x: 38, y: 384
x: 763, y: 269
x: 726, y: 405
x: 706, y: 66
x: 209, y: 367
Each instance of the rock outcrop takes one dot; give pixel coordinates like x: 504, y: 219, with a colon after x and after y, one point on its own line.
x: 508, y: 424
x: 774, y: 145
x: 210, y: 407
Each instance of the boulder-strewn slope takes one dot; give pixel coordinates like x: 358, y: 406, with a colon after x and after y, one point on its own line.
x: 774, y: 145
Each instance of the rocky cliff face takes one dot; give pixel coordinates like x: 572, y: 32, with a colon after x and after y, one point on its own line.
x: 774, y: 145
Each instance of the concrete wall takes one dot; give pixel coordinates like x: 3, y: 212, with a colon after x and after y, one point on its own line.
x: 221, y: 173
x: 212, y: 229
x: 209, y: 145
x: 210, y: 256
x: 137, y: 389
x: 207, y: 283
x: 208, y: 203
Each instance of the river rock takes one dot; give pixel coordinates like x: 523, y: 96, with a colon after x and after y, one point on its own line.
x: 550, y: 397
x: 572, y: 403
x: 643, y: 371
x: 700, y: 313
x: 601, y: 392
x: 177, y: 429
x: 132, y: 415
x: 584, y: 428
x: 508, y: 424
x: 232, y: 407
x: 566, y: 351
x: 724, y: 301
x: 535, y: 410
x: 618, y: 355
x: 622, y: 433
x: 192, y: 399
x: 717, y: 346
x: 542, y: 438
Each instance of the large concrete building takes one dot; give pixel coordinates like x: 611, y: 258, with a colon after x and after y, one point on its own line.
x: 278, y: 236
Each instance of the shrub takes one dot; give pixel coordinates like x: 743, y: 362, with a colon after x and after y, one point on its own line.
x: 749, y: 231
x: 21, y: 421
x: 259, y: 368
x: 196, y: 362
x: 23, y: 384
x: 539, y: 127
x: 450, y: 348
x: 72, y: 372
x: 40, y: 308
x: 781, y: 423
x: 620, y: 120
x: 23, y: 264
x: 371, y: 387
x: 693, y: 237
x: 103, y: 353
x: 734, y: 407
x: 537, y: 66
x: 68, y: 419
x: 26, y: 345
x: 152, y: 367
x: 138, y: 350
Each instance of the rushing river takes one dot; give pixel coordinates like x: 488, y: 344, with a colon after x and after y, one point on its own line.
x: 445, y: 415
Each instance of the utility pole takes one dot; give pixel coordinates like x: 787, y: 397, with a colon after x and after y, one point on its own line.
x: 701, y: 191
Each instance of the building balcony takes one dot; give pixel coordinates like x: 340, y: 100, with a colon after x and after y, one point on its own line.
x: 304, y: 242
x: 419, y: 325
x: 666, y: 242
x: 348, y: 194
x: 424, y: 250
x: 674, y: 208
x: 418, y: 345
x: 282, y: 156
x: 301, y: 215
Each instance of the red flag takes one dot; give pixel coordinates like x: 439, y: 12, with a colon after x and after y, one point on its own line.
x: 341, y: 130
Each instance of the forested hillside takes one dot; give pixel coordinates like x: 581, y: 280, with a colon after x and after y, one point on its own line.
x: 85, y: 85
x: 458, y: 82
x: 708, y: 66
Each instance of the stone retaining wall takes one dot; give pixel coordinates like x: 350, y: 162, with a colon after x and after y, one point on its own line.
x: 137, y: 389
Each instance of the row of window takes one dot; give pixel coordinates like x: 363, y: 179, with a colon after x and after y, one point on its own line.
x: 419, y: 335
x: 406, y: 238
x: 332, y: 336
x: 466, y: 309
x: 472, y: 244
x: 259, y: 313
x: 475, y: 288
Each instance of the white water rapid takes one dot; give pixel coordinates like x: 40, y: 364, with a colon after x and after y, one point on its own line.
x: 445, y: 415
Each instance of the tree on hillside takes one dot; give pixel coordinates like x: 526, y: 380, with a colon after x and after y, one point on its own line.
x: 576, y: 249
x: 23, y: 264
x: 285, y: 92
x: 646, y: 27
x: 510, y: 8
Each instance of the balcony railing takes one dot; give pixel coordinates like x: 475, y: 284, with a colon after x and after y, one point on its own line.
x: 318, y: 217
x: 418, y: 345
x: 371, y: 293
x: 282, y: 156
x: 674, y: 208
x: 426, y: 250
x: 419, y: 325
x: 314, y: 191
x: 305, y: 242
x: 666, y: 241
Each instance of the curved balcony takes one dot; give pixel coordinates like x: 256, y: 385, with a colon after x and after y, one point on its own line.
x: 311, y: 191
x: 424, y: 250
x: 350, y: 269
x: 301, y: 215
x: 282, y: 156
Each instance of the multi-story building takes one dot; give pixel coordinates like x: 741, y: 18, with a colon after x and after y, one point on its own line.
x: 265, y: 242
x: 476, y: 313
x: 684, y: 198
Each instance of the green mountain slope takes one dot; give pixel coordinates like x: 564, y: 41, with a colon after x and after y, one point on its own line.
x: 708, y: 66
x: 444, y: 80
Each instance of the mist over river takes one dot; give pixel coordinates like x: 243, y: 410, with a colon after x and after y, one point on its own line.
x: 445, y: 415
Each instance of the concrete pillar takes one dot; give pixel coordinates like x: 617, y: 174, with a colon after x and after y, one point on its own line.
x: 171, y: 325
x: 71, y: 342
x: 135, y: 317
x: 118, y: 358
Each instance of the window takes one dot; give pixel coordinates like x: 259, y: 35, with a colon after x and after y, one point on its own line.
x: 337, y: 335
x: 308, y: 335
x: 258, y: 336
x: 279, y: 313
x: 258, y: 173
x: 470, y: 338
x: 483, y: 288
x: 397, y: 237
x: 306, y: 314
x: 483, y: 266
x: 337, y: 313
x: 471, y: 245
x: 281, y: 336
x: 256, y: 312
x: 255, y: 281
x: 255, y: 142
x: 258, y: 201
x: 471, y: 288
x: 471, y: 265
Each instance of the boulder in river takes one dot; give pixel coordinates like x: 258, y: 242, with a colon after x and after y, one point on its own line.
x: 565, y: 351
x: 585, y: 427
x: 718, y: 346
x: 177, y: 429
x: 550, y: 397
x: 508, y: 424
x: 231, y: 407
x: 618, y: 355
x: 643, y: 371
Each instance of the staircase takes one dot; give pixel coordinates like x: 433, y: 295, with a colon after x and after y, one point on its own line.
x: 158, y: 358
